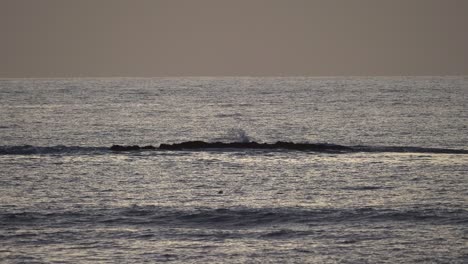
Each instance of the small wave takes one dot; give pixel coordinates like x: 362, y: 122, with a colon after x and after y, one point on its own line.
x: 59, y: 149
x: 285, y: 233
x: 238, y: 217
x: 229, y: 115
x: 366, y: 188
x: 408, y: 149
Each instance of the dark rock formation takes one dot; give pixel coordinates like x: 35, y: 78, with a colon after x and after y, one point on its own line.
x: 194, y: 145
x: 317, y: 147
x: 255, y: 145
x: 131, y: 148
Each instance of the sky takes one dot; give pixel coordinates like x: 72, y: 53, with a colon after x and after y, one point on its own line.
x: 150, y: 38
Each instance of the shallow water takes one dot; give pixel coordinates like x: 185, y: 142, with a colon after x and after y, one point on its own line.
x: 67, y: 198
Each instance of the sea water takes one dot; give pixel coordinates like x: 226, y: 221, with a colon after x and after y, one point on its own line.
x: 65, y: 197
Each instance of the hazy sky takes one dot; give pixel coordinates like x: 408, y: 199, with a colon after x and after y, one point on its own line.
x: 98, y: 38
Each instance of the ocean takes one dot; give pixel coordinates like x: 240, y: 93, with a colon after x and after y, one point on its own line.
x: 400, y: 197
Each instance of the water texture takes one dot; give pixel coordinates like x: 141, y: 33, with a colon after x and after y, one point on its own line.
x: 399, y: 196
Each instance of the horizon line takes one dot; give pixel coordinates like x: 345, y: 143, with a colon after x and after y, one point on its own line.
x: 231, y: 76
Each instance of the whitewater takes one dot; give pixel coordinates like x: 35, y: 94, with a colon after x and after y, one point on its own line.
x: 367, y: 170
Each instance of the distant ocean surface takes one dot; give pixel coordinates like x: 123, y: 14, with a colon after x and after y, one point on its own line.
x: 65, y: 197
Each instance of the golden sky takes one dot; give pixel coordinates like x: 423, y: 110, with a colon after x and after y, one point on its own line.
x: 145, y: 38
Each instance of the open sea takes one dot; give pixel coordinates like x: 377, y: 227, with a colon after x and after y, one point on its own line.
x: 65, y: 197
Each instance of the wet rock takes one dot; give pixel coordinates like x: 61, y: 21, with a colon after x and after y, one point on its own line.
x: 131, y: 148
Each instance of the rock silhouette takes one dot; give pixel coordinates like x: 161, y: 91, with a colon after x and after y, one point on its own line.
x: 253, y: 145
x: 194, y: 145
x: 315, y: 147
x: 131, y: 148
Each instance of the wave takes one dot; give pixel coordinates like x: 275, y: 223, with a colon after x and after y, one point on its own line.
x: 219, y: 146
x: 50, y: 150
x: 408, y: 149
x: 237, y: 217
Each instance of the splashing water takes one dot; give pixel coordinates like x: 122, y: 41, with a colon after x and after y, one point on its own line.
x: 238, y: 135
